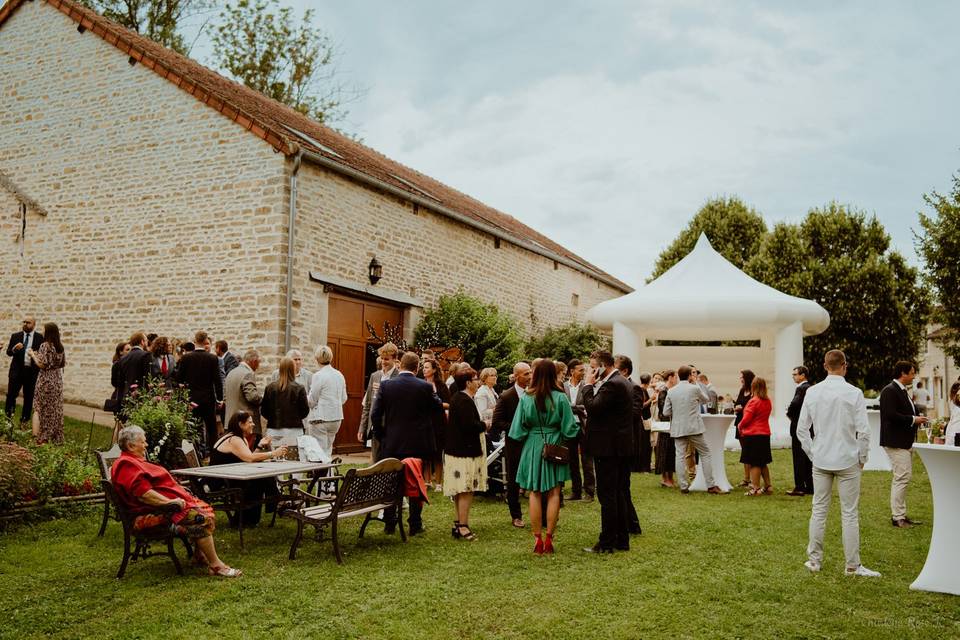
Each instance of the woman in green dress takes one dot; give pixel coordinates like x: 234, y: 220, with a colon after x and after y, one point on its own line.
x: 543, y: 415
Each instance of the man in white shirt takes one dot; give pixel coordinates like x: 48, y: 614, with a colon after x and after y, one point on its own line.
x: 921, y: 398
x: 839, y: 450
x: 328, y: 393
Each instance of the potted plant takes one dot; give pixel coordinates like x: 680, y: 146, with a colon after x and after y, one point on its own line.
x: 165, y: 416
x: 937, y: 428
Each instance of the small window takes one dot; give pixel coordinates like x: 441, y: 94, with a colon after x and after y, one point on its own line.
x: 575, y: 300
x: 556, y: 265
x: 496, y: 243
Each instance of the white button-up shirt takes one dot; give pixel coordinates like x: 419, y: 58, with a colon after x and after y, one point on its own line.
x: 328, y: 392
x: 838, y: 412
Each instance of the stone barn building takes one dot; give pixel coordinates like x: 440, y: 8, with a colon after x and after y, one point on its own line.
x: 141, y: 190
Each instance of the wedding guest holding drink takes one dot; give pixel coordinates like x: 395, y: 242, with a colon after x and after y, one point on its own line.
x: 543, y: 417
x: 434, y: 467
x: 755, y: 438
x: 746, y: 381
x: 953, y: 407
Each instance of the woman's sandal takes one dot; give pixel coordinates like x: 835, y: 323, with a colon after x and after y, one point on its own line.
x: 754, y: 492
x: 226, y: 572
x: 744, y: 483
x: 768, y: 491
x: 469, y: 535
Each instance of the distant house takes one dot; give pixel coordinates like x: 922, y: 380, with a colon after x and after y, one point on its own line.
x: 937, y: 371
x: 141, y: 190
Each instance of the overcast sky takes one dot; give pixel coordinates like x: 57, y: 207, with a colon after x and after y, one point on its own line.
x: 607, y: 124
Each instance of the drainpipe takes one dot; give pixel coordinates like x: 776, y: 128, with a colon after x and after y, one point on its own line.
x: 291, y: 228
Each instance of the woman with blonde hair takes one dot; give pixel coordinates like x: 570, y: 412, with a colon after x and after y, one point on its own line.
x: 755, y: 437
x: 285, y: 405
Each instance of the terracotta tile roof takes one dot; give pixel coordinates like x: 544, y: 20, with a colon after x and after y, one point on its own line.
x: 287, y: 130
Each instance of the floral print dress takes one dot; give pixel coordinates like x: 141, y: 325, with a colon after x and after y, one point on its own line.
x: 48, y: 398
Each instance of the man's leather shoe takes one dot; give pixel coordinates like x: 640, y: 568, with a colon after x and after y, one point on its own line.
x: 715, y: 489
x: 390, y: 529
x: 909, y: 521
x: 796, y: 492
x: 587, y: 498
x: 597, y: 549
x: 684, y: 490
x: 901, y: 524
x: 573, y: 498
x: 417, y: 531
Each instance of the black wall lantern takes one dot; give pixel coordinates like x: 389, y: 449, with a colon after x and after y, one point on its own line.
x: 375, y: 270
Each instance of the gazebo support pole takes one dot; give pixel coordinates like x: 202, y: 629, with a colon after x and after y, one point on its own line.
x: 787, y: 354
x: 627, y: 342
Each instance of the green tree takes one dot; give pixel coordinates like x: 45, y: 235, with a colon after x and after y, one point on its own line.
x: 734, y: 230
x: 566, y: 342
x: 938, y: 244
x: 260, y: 44
x: 487, y: 336
x: 159, y: 20
x: 842, y: 259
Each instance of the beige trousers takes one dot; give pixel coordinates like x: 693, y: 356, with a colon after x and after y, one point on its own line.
x: 902, y: 462
x: 848, y: 488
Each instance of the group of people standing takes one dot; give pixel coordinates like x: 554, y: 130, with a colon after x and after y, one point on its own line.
x: 36, y: 369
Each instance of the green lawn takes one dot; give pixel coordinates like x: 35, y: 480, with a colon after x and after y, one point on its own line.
x: 705, y: 567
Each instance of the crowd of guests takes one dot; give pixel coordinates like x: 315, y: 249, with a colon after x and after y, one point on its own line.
x: 583, y: 422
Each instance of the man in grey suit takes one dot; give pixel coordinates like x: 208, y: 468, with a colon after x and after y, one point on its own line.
x: 241, y: 392
x: 686, y: 426
x: 388, y: 369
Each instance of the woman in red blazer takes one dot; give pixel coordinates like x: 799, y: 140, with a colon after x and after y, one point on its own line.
x: 755, y: 438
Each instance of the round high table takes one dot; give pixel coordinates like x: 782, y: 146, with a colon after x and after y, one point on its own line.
x: 877, y: 459
x: 716, y: 427
x: 941, y: 571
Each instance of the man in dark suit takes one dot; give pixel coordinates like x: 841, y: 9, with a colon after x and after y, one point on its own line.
x: 802, y: 467
x: 402, y: 416
x: 608, y: 399
x: 199, y: 371
x: 23, y: 370
x: 898, y: 429
x: 624, y: 365
x: 133, y: 370
x: 502, y: 419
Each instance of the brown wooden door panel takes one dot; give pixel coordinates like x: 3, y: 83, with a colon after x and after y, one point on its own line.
x: 349, y: 339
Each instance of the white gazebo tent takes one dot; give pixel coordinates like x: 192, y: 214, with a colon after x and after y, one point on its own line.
x: 705, y: 298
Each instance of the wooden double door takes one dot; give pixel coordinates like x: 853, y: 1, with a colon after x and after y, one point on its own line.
x: 354, y: 354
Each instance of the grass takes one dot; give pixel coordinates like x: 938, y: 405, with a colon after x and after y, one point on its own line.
x: 705, y: 567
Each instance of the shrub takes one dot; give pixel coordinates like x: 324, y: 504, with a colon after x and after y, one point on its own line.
x: 165, y: 416
x: 63, y: 470
x: 487, y: 336
x: 566, y: 342
x: 16, y: 474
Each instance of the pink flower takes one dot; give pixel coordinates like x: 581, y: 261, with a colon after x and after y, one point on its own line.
x: 134, y: 386
x: 194, y: 405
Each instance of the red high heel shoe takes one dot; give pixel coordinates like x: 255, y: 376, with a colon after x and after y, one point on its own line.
x: 548, y: 544
x: 538, y: 548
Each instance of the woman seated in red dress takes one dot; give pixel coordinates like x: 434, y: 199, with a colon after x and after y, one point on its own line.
x: 143, y: 486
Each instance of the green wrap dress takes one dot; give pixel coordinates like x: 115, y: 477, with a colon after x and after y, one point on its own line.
x: 557, y: 425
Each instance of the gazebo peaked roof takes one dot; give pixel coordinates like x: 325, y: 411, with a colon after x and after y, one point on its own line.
x: 705, y: 297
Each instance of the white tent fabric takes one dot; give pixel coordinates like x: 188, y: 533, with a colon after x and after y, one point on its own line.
x: 706, y: 298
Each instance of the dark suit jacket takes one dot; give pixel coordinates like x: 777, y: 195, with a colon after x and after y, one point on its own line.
x: 132, y: 369
x: 793, y: 410
x: 402, y: 417
x: 609, y: 431
x: 199, y: 371
x: 507, y: 405
x: 896, y: 418
x: 16, y: 363
x: 462, y: 438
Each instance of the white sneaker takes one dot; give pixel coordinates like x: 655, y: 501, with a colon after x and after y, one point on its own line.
x: 862, y: 571
x: 812, y: 565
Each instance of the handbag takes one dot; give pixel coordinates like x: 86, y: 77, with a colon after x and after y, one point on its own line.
x: 556, y: 453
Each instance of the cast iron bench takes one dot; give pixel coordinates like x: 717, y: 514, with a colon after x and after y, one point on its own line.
x: 362, y: 492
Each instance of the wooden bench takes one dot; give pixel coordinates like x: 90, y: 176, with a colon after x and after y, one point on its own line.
x: 143, y: 539
x: 361, y: 492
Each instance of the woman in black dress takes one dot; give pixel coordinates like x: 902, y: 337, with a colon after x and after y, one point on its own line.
x: 666, y: 451
x: 434, y: 467
x: 746, y: 381
x: 232, y: 448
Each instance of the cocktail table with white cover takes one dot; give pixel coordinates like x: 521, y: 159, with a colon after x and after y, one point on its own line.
x: 941, y: 571
x: 715, y: 431
x: 877, y: 459
x: 253, y: 470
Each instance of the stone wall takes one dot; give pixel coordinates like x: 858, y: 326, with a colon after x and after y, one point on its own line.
x: 163, y: 215
x: 341, y: 225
